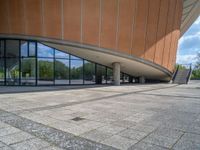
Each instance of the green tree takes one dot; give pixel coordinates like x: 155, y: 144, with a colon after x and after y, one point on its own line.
x: 196, y: 70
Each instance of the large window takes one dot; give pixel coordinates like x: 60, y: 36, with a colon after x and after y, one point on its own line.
x: 1, y: 48
x: 89, y: 72
x: 31, y: 63
x: 45, y: 51
x: 28, y: 71
x: 109, y: 75
x: 45, y: 71
x: 100, y: 74
x: 76, y: 70
x: 61, y: 71
x: 12, y: 71
x: 12, y: 48
x: 2, y: 71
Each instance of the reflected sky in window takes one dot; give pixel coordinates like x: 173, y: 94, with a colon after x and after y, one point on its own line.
x: 45, y: 51
x: 59, y: 54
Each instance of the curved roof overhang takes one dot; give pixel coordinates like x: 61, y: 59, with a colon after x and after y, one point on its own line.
x: 191, y: 11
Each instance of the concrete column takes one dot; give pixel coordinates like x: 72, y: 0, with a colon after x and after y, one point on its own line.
x: 142, y: 80
x: 116, y: 73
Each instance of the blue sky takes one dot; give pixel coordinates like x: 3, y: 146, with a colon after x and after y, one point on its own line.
x: 189, y: 44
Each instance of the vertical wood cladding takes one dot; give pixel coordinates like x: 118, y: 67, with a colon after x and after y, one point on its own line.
x: 168, y: 36
x: 175, y: 35
x: 148, y: 29
x: 140, y: 22
x: 4, y: 25
x: 161, y: 31
x: 109, y: 23
x: 152, y: 27
x: 16, y: 21
x: 126, y: 16
x: 91, y: 19
x: 52, y: 18
x: 72, y: 20
x: 33, y: 17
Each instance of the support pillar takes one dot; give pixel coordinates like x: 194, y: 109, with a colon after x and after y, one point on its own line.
x: 116, y: 73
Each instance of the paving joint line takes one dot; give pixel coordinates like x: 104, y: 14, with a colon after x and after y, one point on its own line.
x: 52, y: 135
x: 87, y: 101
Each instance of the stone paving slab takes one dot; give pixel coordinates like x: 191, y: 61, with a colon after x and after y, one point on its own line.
x: 150, y: 116
x: 49, y: 134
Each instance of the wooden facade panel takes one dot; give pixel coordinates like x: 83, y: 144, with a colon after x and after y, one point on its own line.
x: 148, y: 29
x: 16, y: 16
x: 139, y: 33
x: 33, y: 17
x: 52, y: 18
x: 168, y: 35
x: 126, y: 16
x: 4, y: 25
x: 175, y: 35
x: 109, y: 23
x: 161, y: 31
x: 152, y: 23
x: 91, y: 21
x: 72, y: 20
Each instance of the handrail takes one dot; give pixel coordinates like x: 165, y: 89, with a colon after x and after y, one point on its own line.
x: 174, y: 75
x: 189, y: 74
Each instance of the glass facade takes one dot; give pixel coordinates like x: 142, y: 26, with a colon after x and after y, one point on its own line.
x: 33, y: 63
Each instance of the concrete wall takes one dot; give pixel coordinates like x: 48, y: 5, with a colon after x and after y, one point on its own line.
x: 148, y: 29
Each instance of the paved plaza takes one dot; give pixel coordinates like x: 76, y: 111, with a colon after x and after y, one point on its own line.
x: 134, y: 117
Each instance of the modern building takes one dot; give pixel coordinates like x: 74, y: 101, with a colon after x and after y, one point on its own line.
x: 58, y: 42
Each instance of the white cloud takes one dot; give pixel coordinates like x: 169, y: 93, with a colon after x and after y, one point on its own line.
x: 197, y: 22
x: 186, y: 59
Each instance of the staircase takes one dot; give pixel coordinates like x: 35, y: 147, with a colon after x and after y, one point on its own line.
x: 182, y: 76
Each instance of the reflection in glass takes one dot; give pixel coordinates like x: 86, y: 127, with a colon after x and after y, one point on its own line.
x: 126, y: 78
x: 12, y: 48
x: 89, y: 72
x: 45, y: 51
x: 32, y: 47
x: 45, y: 71
x: 100, y: 74
x: 61, y: 71
x: 28, y: 66
x: 76, y: 71
x: 24, y: 48
x: 21, y: 65
x: 12, y: 71
x: 1, y: 48
x: 109, y: 75
x: 2, y: 71
x: 59, y: 54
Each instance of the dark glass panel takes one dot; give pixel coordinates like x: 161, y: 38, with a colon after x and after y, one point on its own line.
x: 76, y: 71
x: 45, y: 71
x: 60, y: 54
x: 12, y: 48
x: 45, y: 51
x: 61, y: 71
x: 89, y: 72
x: 28, y: 71
x: 2, y: 71
x: 109, y: 75
x: 24, y: 48
x: 32, y: 47
x: 100, y: 74
x: 12, y: 71
x: 2, y: 48
x: 121, y: 77
x: 126, y: 78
